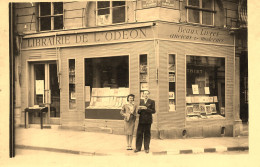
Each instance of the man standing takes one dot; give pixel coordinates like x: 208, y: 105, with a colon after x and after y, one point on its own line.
x: 146, y: 109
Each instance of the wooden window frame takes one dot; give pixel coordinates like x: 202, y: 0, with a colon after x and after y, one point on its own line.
x: 111, y: 12
x: 200, y: 9
x: 51, y: 16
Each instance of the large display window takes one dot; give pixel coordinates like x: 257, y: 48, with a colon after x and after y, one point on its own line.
x: 205, y: 79
x: 106, y: 82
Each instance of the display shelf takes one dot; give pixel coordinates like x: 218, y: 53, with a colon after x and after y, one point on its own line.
x: 108, y: 98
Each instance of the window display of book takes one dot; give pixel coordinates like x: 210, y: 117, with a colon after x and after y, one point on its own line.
x: 171, y: 77
x: 143, y: 77
x: 143, y: 68
x: 108, y: 98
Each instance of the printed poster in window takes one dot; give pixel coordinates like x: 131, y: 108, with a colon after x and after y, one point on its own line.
x: 213, y: 108
x: 195, y: 89
x: 222, y: 111
x: 144, y: 86
x: 207, y: 90
x: 196, y: 109
x: 39, y: 87
x: 143, y: 68
x: 189, y: 109
x: 171, y: 77
x: 72, y: 95
x: 202, y: 108
x: 207, y: 108
x: 171, y: 95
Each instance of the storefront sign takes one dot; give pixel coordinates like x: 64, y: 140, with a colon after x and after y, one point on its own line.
x: 191, y: 33
x: 86, y: 38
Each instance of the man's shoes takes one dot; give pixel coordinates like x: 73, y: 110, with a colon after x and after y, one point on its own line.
x: 137, y: 151
x: 146, y: 151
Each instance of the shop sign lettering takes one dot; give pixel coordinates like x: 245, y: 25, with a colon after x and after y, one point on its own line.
x: 86, y: 38
x: 197, y: 34
x: 195, y: 71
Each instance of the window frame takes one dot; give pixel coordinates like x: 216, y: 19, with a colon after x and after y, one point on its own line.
x: 201, y: 10
x: 175, y: 79
x: 110, y: 12
x: 225, y: 79
x: 52, y: 16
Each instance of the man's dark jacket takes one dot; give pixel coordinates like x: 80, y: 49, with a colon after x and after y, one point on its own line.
x: 146, y: 115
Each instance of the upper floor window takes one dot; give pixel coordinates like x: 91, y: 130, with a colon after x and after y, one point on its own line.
x: 50, y: 16
x: 111, y: 12
x: 200, y: 11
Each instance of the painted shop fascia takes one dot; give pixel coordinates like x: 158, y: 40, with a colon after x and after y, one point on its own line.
x: 171, y: 34
x: 117, y: 34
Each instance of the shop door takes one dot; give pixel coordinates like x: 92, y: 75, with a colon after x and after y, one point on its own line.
x: 45, y: 90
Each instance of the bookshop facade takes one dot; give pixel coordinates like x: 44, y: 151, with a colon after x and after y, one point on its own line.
x: 84, y: 77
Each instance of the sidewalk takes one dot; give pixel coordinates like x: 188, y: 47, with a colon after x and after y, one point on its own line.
x: 89, y: 143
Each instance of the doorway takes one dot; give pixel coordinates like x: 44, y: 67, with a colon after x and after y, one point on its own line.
x: 44, y: 91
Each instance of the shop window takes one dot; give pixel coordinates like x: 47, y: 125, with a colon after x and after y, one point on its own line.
x: 106, y: 82
x: 144, y: 77
x: 200, y: 11
x: 172, y: 82
x: 72, y: 85
x: 50, y: 16
x: 109, y: 12
x: 205, y: 79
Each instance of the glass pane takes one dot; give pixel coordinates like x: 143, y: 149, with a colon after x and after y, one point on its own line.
x: 207, y: 4
x: 58, y: 7
x: 118, y: 3
x: 58, y: 22
x: 207, y: 18
x: 194, y: 2
x: 72, y: 89
x: 103, y: 4
x: 205, y: 86
x: 144, y: 78
x: 194, y: 16
x: 172, y: 75
x: 119, y: 14
x: 39, y: 71
x: 103, y: 11
x: 45, y: 8
x: 45, y: 23
x: 55, y: 92
x: 105, y: 80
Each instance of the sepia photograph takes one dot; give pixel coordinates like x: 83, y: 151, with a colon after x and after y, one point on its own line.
x: 135, y: 79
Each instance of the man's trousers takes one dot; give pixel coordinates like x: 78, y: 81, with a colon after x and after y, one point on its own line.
x: 143, y: 133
